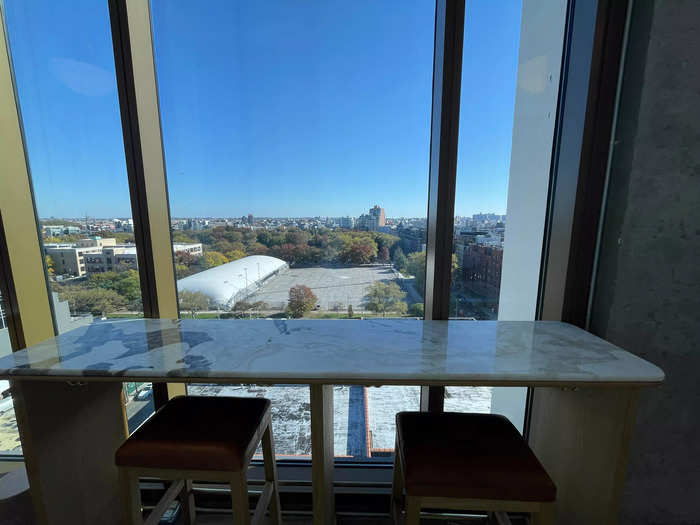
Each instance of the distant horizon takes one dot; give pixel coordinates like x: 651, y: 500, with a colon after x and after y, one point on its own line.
x: 78, y: 218
x: 256, y: 114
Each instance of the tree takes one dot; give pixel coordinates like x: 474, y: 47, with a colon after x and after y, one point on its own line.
x: 417, y: 310
x: 256, y: 248
x: 210, y: 259
x: 49, y: 264
x: 301, y: 300
x: 416, y: 267
x: 384, y: 254
x: 385, y: 297
x: 128, y: 285
x: 399, y: 259
x: 234, y: 255
x: 350, y: 312
x: 359, y: 251
x: 96, y: 301
x: 193, y: 301
x: 241, y: 307
x: 297, y: 237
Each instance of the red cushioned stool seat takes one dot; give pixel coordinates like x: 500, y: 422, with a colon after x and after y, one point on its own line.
x: 203, y: 438
x: 474, y: 457
x: 198, y: 432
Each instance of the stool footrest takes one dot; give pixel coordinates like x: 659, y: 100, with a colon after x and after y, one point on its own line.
x: 263, y: 502
x: 169, y: 496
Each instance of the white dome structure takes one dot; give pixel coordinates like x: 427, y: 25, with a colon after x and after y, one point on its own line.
x: 234, y: 281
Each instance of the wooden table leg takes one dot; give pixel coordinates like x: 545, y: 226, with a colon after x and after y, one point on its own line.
x: 322, y: 455
x: 582, y: 438
x: 69, y: 435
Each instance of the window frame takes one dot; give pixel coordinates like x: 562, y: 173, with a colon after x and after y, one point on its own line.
x: 581, y: 149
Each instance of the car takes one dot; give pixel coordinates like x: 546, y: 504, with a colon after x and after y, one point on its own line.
x: 143, y: 395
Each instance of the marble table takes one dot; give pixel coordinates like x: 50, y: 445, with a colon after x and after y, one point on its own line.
x: 71, y: 416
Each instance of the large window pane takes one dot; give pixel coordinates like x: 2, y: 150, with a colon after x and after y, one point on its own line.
x: 67, y: 91
x: 489, y: 78
x: 297, y: 145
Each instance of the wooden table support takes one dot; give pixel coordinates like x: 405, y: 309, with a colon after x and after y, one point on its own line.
x: 69, y: 435
x: 322, y: 454
x: 582, y: 437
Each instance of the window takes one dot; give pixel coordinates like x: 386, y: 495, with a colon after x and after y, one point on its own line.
x: 510, y: 77
x: 67, y: 92
x: 296, y: 142
x: 491, y: 40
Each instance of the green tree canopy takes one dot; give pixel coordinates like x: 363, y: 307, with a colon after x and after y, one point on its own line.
x: 416, y: 267
x: 385, y: 297
x: 97, y: 301
x: 301, y: 300
x: 399, y: 259
x: 193, y: 302
x: 125, y: 283
x: 417, y: 310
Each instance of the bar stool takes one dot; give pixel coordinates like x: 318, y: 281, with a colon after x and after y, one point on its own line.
x: 463, y: 462
x: 204, y: 438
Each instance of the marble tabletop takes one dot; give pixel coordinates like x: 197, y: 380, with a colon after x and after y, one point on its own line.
x: 370, y: 352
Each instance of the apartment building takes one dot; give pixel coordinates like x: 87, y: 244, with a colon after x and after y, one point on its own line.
x: 95, y: 254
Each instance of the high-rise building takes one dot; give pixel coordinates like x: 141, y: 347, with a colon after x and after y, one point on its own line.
x: 250, y: 219
x: 347, y: 222
x: 378, y: 212
x: 367, y: 222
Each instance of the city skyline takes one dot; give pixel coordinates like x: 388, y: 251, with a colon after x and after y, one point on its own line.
x: 285, y: 128
x: 80, y: 219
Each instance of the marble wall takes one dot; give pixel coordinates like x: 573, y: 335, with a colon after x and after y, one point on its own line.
x: 648, y: 288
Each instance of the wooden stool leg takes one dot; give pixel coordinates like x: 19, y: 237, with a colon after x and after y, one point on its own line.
x: 397, y: 488
x: 239, y: 498
x: 187, y: 503
x: 545, y: 516
x: 131, y: 497
x: 412, y: 510
x: 268, y: 446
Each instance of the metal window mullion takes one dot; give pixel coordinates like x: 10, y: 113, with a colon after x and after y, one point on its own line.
x: 143, y: 145
x: 447, y: 79
x: 29, y: 312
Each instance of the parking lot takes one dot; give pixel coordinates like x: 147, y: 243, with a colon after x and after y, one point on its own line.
x: 335, y: 288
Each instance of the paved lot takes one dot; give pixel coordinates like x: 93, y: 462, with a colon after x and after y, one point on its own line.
x: 334, y: 287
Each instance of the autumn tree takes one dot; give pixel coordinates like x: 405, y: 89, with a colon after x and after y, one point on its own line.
x: 211, y: 259
x: 193, y: 302
x: 359, y: 251
x: 383, y: 254
x: 301, y: 300
x: 49, y: 264
x: 234, y: 255
x: 385, y: 297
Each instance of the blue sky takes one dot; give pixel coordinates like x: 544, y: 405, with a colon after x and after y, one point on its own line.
x: 277, y: 108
